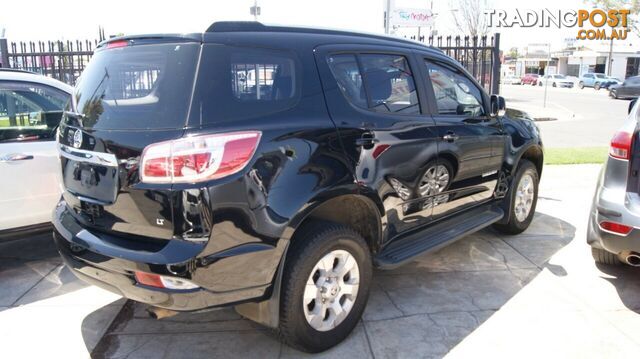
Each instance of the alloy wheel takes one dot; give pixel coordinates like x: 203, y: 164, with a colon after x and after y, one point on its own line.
x: 331, y: 290
x: 525, y: 194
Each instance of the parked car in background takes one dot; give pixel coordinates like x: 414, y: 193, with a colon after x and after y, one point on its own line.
x: 555, y: 81
x: 530, y: 79
x: 629, y: 89
x: 368, y: 151
x: 614, y: 224
x: 592, y: 80
x: 608, y: 82
x: 31, y: 106
x: 511, y: 80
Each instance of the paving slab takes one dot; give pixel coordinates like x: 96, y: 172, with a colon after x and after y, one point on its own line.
x: 533, y: 295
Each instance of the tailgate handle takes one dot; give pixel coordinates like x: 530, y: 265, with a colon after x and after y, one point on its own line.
x: 14, y: 157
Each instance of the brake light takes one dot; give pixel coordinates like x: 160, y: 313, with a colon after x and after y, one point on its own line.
x: 198, y: 158
x: 117, y: 43
x: 621, y: 145
x: 615, y: 228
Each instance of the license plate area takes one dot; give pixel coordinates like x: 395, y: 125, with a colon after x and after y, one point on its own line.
x: 95, y: 182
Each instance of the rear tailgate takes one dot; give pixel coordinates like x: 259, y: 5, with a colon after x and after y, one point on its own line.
x: 128, y: 98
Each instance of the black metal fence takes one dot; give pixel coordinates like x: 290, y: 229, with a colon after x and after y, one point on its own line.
x: 62, y: 60
x: 480, y: 55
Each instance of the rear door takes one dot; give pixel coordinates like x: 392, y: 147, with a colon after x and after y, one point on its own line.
x: 385, y: 126
x: 29, y: 184
x: 129, y: 96
x: 470, y: 141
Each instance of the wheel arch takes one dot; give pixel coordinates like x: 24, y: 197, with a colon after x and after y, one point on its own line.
x: 534, y: 154
x: 358, y: 211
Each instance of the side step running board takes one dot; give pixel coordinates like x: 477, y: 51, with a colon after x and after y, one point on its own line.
x: 403, y: 250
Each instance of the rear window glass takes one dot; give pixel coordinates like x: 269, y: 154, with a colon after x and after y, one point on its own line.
x: 236, y: 83
x: 261, y: 77
x: 138, y: 87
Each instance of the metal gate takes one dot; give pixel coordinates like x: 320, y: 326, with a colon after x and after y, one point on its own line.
x: 480, y: 55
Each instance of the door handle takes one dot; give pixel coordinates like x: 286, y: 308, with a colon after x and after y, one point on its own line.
x: 13, y: 157
x: 450, y: 137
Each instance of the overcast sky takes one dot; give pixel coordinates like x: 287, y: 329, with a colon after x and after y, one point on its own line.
x: 79, y: 19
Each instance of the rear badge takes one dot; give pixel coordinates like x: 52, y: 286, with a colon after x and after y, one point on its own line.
x: 160, y: 221
x: 77, y: 139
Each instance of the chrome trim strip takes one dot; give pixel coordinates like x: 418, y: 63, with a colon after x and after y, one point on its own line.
x: 98, y: 158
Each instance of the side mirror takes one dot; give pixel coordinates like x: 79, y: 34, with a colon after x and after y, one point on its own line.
x: 498, y: 105
x: 631, y: 104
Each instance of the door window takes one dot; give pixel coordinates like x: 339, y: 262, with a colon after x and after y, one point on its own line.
x: 378, y: 82
x: 29, y: 111
x: 455, y: 94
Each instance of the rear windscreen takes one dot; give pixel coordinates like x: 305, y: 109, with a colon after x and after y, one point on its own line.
x: 138, y: 87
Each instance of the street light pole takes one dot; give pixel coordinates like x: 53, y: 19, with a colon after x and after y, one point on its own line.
x: 387, y: 17
x: 546, y: 70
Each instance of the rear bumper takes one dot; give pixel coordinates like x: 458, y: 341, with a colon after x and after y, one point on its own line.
x: 104, y: 261
x: 615, y: 205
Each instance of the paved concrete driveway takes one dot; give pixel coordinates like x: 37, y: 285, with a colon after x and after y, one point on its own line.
x: 533, y: 295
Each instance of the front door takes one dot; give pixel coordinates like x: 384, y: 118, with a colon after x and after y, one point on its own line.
x: 470, y: 141
x: 29, y: 180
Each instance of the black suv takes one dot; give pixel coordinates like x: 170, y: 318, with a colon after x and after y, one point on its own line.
x: 272, y: 168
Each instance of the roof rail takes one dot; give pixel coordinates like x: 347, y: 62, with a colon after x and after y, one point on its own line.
x: 255, y: 26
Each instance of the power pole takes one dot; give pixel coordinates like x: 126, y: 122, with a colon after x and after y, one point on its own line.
x: 255, y: 10
x: 610, y: 62
x: 387, y: 17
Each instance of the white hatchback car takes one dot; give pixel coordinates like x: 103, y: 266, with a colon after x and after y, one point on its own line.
x: 31, y: 107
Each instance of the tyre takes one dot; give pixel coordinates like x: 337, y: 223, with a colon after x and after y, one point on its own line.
x: 540, y: 83
x: 613, y: 94
x: 596, y: 86
x: 523, y: 197
x: 325, y: 286
x: 581, y: 85
x: 603, y: 257
x: 554, y: 85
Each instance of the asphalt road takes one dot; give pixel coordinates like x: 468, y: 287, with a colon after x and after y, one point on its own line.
x: 585, y: 118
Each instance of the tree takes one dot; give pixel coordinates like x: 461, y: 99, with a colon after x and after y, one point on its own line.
x: 469, y: 16
x: 633, y: 5
x: 513, y: 52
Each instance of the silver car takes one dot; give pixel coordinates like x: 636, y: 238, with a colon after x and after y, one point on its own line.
x: 614, y: 223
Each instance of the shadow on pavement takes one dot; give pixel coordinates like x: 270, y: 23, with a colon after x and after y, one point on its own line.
x: 32, y: 270
x: 422, y: 309
x: 626, y: 280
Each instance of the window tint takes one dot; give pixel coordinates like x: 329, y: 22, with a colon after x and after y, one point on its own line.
x: 138, y: 87
x: 389, y: 84
x: 236, y: 83
x: 29, y: 111
x: 455, y: 93
x: 347, y: 74
x: 256, y: 76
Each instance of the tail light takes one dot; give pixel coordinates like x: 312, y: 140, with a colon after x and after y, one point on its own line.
x: 621, y: 145
x: 198, y: 158
x: 615, y: 228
